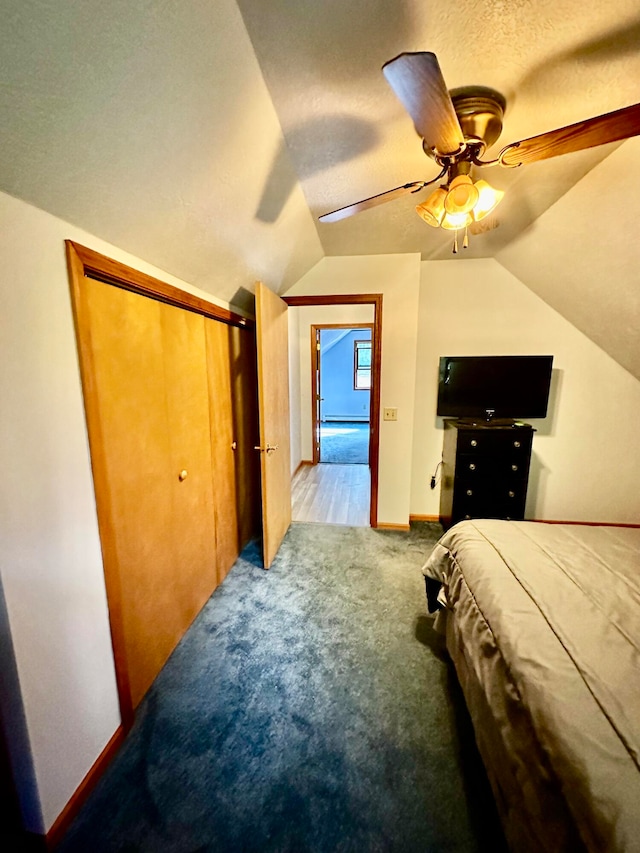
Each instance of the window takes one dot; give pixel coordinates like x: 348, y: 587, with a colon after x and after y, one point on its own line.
x: 362, y: 365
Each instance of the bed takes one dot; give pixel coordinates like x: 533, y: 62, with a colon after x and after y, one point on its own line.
x: 543, y: 625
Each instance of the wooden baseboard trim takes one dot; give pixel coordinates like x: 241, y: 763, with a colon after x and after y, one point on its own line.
x: 430, y: 518
x: 384, y: 525
x: 63, y: 821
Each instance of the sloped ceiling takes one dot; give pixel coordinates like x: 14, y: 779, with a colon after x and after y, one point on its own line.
x: 206, y: 137
x: 556, y: 62
x: 583, y: 256
x: 148, y: 124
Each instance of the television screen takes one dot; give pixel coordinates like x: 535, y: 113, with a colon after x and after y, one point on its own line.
x: 494, y: 386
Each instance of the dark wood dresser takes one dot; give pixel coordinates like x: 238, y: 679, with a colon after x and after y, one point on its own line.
x: 485, y: 470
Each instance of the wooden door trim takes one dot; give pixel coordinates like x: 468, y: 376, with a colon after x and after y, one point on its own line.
x: 374, y: 299
x: 315, y: 426
x: 85, y: 262
x: 100, y: 483
x: 315, y: 391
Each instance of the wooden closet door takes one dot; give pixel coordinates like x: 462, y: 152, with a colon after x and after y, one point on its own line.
x: 147, y: 405
x: 223, y: 444
x: 193, y: 528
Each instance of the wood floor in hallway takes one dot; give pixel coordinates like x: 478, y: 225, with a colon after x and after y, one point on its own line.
x: 332, y: 494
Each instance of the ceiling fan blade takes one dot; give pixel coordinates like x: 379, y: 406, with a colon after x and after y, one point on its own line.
x: 418, y: 82
x: 589, y: 133
x: 375, y: 200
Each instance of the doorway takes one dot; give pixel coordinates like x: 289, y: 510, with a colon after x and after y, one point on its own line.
x: 318, y: 486
x: 341, y: 396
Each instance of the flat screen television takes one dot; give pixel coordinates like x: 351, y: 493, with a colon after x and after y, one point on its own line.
x: 494, y: 387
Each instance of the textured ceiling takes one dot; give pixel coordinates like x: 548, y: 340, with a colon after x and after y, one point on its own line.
x: 556, y: 61
x: 149, y: 124
x: 207, y: 137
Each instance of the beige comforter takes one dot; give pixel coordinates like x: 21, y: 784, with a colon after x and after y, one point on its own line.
x: 549, y: 617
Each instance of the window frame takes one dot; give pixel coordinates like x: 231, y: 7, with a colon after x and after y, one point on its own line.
x: 359, y: 369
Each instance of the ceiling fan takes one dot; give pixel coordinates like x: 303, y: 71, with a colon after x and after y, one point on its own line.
x: 457, y: 127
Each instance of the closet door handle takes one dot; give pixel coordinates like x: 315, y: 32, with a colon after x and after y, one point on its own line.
x: 183, y: 475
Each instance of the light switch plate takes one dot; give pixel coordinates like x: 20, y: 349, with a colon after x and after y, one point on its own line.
x: 390, y: 414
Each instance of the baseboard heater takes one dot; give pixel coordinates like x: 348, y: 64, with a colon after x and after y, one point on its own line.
x: 345, y: 419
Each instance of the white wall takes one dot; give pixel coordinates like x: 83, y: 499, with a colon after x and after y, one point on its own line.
x: 397, y: 277
x: 51, y: 566
x: 340, y: 399
x: 586, y: 459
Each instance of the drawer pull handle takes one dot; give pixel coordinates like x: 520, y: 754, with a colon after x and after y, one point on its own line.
x: 516, y: 444
x: 474, y: 443
x: 467, y: 516
x: 512, y: 494
x: 514, y: 467
x: 469, y: 492
x: 472, y: 466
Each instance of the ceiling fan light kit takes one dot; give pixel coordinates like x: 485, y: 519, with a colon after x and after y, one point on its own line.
x: 457, y: 127
x: 457, y: 207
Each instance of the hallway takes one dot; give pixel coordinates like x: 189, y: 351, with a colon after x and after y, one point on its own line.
x: 332, y: 494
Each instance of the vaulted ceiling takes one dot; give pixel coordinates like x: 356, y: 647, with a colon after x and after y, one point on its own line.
x: 555, y: 61
x: 207, y: 137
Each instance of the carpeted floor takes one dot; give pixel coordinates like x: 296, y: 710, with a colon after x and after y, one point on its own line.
x: 308, y: 709
x: 344, y: 442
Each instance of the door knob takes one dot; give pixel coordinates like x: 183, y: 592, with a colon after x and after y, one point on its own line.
x: 183, y: 475
x: 268, y: 449
x: 234, y: 445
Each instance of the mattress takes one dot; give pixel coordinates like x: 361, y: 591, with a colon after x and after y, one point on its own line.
x: 543, y: 624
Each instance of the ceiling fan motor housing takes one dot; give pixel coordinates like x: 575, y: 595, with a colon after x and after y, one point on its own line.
x: 480, y: 111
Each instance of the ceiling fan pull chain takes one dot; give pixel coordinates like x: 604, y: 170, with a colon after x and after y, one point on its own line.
x: 465, y: 242
x: 455, y: 243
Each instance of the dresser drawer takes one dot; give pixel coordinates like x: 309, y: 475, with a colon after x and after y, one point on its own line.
x: 481, y: 442
x: 500, y: 503
x: 472, y: 467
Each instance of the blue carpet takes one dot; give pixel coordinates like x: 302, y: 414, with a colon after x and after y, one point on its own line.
x: 344, y: 443
x: 309, y: 709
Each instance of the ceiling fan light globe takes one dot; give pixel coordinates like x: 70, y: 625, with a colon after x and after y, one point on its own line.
x: 432, y: 210
x: 462, y: 195
x: 488, y: 200
x: 456, y: 221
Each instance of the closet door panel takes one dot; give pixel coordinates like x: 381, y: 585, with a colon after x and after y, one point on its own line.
x: 192, y: 529
x: 149, y: 387
x: 132, y: 450
x: 223, y: 439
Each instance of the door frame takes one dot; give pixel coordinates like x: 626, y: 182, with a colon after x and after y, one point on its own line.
x: 374, y: 299
x: 316, y: 328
